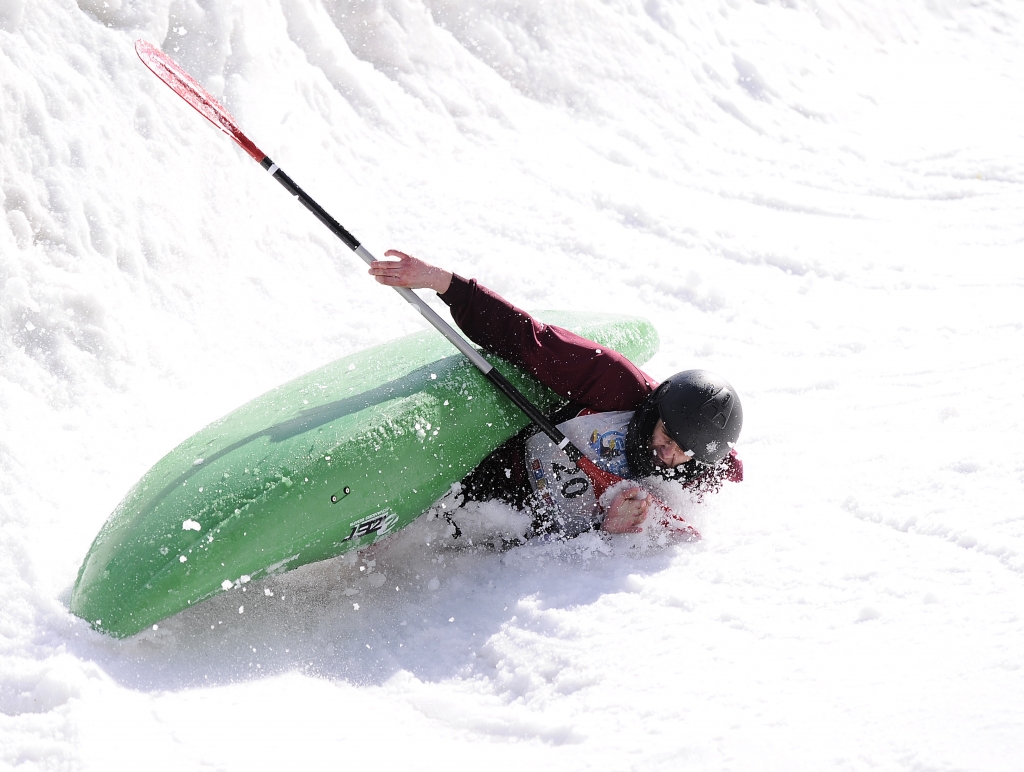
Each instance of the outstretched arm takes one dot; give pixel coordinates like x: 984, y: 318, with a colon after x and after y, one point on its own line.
x: 572, y: 366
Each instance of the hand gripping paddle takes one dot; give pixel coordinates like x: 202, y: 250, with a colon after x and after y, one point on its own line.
x: 185, y: 86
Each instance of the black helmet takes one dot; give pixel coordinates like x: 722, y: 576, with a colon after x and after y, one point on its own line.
x: 701, y: 412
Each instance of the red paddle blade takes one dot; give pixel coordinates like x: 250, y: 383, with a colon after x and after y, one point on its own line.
x: 659, y: 511
x: 185, y: 86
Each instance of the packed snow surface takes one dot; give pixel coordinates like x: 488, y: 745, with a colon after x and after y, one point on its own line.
x: 822, y: 200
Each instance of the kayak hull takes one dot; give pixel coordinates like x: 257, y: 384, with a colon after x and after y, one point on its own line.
x: 332, y: 461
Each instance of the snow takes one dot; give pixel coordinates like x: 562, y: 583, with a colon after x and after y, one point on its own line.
x: 821, y: 201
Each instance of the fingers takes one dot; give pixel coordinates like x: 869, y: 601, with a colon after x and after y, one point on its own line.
x: 384, y: 267
x: 629, y: 494
x: 640, y: 517
x: 390, y: 279
x: 630, y: 509
x: 409, y: 271
x: 636, y: 501
x: 391, y: 272
x: 627, y: 512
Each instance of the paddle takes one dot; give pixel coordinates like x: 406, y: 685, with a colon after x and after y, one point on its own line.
x: 185, y: 86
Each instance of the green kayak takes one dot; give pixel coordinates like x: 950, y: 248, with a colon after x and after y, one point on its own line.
x: 332, y: 461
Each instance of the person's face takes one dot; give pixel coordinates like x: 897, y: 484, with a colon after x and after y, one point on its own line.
x: 665, y: 448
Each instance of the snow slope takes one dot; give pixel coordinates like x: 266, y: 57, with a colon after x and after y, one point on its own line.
x: 820, y: 200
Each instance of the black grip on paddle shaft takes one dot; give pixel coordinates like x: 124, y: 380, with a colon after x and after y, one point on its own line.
x: 304, y: 198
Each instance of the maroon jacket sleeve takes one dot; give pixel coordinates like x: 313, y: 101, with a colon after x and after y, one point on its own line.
x: 573, y: 367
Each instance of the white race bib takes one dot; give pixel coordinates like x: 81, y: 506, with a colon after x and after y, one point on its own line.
x: 559, y: 485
